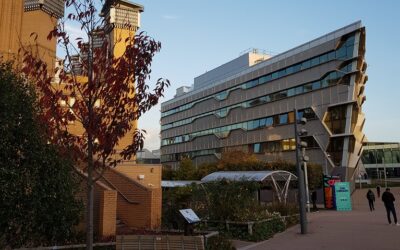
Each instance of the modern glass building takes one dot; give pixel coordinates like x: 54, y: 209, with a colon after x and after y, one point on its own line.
x: 380, y: 156
x: 247, y: 104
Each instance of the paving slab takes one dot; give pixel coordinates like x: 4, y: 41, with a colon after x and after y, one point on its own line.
x: 356, y: 229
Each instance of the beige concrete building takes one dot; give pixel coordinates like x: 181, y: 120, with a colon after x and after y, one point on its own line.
x: 130, y: 193
x: 247, y: 104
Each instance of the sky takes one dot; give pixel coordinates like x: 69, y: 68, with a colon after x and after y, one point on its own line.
x: 198, y: 36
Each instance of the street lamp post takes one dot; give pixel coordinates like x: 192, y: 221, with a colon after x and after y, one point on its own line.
x: 306, y: 179
x: 300, y: 176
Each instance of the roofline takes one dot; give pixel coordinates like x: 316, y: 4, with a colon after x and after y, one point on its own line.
x: 108, y: 3
x: 296, y: 50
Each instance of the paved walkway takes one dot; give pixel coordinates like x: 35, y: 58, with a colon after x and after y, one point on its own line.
x: 357, y: 229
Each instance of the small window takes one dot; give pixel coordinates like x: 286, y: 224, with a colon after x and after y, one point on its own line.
x: 274, y: 75
x: 257, y: 148
x: 265, y: 79
x: 316, y: 85
x: 282, y: 73
x: 269, y: 122
x: 331, y: 55
x: 307, y: 87
x: 323, y: 58
x: 291, y: 92
x: 283, y: 119
x: 289, y: 70
x: 305, y: 65
x: 314, y: 61
x: 299, y: 90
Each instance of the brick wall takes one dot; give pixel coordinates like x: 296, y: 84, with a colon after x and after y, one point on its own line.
x: 108, y: 213
x: 138, y: 206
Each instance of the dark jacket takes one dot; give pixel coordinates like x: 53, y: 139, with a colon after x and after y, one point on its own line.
x: 370, y: 196
x: 388, y: 198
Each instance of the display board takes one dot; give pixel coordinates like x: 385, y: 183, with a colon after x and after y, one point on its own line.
x: 329, y: 183
x: 342, y: 196
x: 189, y: 216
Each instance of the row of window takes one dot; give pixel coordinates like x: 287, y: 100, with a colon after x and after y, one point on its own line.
x: 329, y: 79
x: 223, y: 132
x: 256, y: 148
x: 344, y: 52
x: 281, y: 145
x: 381, y: 156
x: 191, y: 155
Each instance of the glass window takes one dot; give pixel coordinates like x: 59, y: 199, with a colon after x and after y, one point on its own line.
x: 282, y: 73
x: 269, y: 121
x: 341, y: 53
x: 263, y: 122
x: 299, y: 90
x: 283, y: 119
x: 291, y: 92
x: 222, y: 95
x: 286, y: 145
x: 331, y: 55
x: 305, y: 65
x: 289, y: 70
x: 257, y: 148
x: 265, y: 79
x: 323, y: 58
x: 316, y: 85
x: 291, y: 117
x: 349, y: 51
x: 314, y: 61
x: 274, y: 75
x: 307, y: 87
x: 297, y: 68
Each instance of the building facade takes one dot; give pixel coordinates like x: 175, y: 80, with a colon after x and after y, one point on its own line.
x: 247, y: 104
x: 380, y: 156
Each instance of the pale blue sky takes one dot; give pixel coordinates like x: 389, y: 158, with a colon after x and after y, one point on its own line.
x: 200, y: 35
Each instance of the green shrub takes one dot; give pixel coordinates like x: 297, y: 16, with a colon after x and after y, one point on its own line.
x: 219, y: 242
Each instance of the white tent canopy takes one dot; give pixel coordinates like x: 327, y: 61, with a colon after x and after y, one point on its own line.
x: 279, y: 178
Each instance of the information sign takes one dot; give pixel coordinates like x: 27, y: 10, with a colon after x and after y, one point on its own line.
x: 342, y: 196
x: 189, y: 216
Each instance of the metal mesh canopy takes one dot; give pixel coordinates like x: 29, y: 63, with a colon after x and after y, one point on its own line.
x: 280, y: 179
x: 171, y: 184
x: 258, y: 176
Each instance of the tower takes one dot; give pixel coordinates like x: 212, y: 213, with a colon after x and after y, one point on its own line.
x: 40, y: 17
x: 124, y: 17
x: 10, y: 27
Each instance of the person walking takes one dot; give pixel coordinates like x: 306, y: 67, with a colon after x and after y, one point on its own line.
x: 371, y: 199
x: 388, y: 199
x: 378, y: 191
x: 314, y: 200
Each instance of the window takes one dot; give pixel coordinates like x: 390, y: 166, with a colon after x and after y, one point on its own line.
x: 283, y: 119
x: 274, y: 75
x: 299, y: 90
x: 305, y: 65
x: 316, y: 85
x: 307, y: 87
x: 257, y: 148
x: 323, y: 58
x: 269, y: 121
x: 265, y: 79
x: 291, y: 92
x: 282, y: 73
x: 314, y: 61
x: 291, y: 117
x: 289, y: 70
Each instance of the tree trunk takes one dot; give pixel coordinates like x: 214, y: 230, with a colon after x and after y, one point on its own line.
x: 90, y: 197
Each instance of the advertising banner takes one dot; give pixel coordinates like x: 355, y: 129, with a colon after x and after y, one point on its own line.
x: 329, y: 183
x: 342, y: 196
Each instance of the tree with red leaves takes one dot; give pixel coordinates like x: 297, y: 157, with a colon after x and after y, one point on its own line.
x: 109, y: 93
